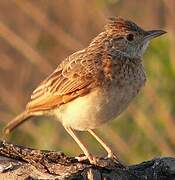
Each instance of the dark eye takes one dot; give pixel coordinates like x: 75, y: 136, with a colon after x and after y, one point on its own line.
x: 130, y: 37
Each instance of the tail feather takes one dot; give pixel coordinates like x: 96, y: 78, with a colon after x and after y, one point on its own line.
x: 18, y: 120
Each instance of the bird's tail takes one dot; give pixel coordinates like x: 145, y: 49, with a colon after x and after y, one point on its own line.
x: 18, y: 120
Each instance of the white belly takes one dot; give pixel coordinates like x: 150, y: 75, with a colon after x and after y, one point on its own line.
x: 95, y: 108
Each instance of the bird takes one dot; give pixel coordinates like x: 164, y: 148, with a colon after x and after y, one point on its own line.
x: 93, y: 85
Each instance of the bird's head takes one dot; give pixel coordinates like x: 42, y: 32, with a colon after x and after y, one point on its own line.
x: 129, y: 38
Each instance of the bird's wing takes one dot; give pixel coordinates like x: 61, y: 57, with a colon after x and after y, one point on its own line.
x: 74, y: 77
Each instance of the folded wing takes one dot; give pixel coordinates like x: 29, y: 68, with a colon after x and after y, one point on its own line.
x: 74, y: 77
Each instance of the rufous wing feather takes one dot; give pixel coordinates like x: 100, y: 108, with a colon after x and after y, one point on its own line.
x: 73, y: 78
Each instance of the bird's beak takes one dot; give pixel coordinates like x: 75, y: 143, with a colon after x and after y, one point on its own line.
x: 153, y: 34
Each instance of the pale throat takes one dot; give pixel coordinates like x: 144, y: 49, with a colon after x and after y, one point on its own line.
x: 143, y: 48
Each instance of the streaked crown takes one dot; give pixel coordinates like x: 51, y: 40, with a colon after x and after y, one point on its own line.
x: 128, y: 37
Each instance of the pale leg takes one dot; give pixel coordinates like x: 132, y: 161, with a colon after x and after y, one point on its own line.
x: 111, y: 155
x: 105, y: 146
x: 81, y: 145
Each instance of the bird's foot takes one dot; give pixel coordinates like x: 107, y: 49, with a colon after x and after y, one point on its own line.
x: 92, y: 159
x: 111, y: 160
x: 81, y: 158
x: 115, y: 159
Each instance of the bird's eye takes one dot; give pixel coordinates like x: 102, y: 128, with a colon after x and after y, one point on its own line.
x: 130, y: 37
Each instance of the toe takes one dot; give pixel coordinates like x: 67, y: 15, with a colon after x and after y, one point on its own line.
x: 81, y: 158
x: 93, y: 160
x: 115, y: 159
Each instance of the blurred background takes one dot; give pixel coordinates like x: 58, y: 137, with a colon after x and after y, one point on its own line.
x: 36, y: 35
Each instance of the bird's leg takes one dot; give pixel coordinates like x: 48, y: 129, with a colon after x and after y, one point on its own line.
x: 82, y: 146
x: 105, y: 146
x: 111, y: 155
